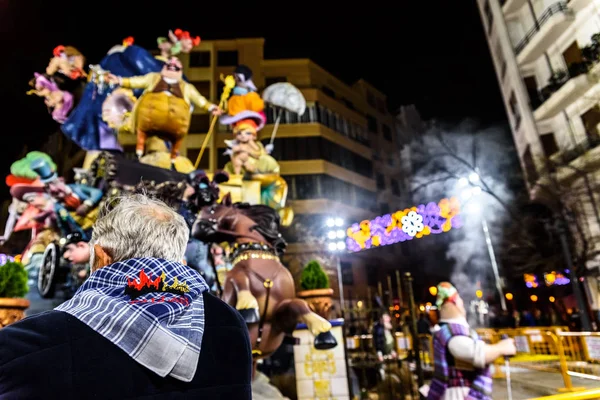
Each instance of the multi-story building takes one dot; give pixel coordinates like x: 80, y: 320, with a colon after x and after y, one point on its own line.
x: 341, y: 158
x: 547, y: 59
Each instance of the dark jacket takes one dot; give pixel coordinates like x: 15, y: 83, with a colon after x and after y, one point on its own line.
x: 55, y: 356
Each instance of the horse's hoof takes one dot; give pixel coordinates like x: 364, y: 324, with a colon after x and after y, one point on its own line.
x: 250, y: 315
x: 325, y: 341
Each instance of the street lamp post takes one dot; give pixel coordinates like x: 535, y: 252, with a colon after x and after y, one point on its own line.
x: 475, y: 190
x: 335, y: 244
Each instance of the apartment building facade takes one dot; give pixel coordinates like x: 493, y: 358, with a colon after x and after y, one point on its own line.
x: 341, y: 158
x: 547, y: 60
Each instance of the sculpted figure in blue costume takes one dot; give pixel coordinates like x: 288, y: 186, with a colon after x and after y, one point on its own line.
x: 85, y: 125
x: 205, y: 194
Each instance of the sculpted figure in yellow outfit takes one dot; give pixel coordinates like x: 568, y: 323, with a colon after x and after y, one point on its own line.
x: 247, y: 154
x: 164, y: 109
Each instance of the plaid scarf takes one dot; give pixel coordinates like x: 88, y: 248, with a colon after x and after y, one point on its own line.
x: 152, y: 309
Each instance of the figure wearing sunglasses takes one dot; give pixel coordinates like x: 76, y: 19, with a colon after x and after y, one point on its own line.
x: 166, y: 105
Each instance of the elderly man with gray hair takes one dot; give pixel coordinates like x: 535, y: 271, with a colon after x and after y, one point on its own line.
x: 142, y: 326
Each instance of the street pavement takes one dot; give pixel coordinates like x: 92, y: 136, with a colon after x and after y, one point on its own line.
x: 500, y: 391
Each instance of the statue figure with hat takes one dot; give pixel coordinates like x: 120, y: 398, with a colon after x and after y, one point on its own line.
x: 165, y: 107
x: 462, y: 359
x: 77, y: 252
x: 74, y: 203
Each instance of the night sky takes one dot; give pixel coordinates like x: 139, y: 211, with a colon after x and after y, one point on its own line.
x: 430, y: 53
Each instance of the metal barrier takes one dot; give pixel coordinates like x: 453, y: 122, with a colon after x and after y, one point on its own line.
x: 551, y: 349
x: 582, y: 395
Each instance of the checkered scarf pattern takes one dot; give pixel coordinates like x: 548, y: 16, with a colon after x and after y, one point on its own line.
x: 162, y: 331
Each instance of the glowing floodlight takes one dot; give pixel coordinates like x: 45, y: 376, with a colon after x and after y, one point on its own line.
x: 331, y: 235
x: 462, y: 182
x: 340, y: 245
x: 330, y: 222
x: 339, y: 222
x: 476, y: 191
x: 332, y: 246
x: 473, y: 177
x: 340, y: 234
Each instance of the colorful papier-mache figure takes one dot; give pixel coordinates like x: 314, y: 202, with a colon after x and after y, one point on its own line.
x: 68, y: 61
x: 59, y: 102
x: 86, y: 125
x: 462, y: 359
x: 245, y: 113
x: 164, y: 109
x: 249, y: 158
x: 75, y: 204
x: 179, y: 41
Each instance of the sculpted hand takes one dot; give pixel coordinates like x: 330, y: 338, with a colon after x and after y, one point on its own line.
x: 507, y: 347
x: 112, y: 79
x: 216, y: 110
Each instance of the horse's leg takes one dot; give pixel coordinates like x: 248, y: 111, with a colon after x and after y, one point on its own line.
x: 141, y: 143
x: 289, y: 311
x: 246, y: 303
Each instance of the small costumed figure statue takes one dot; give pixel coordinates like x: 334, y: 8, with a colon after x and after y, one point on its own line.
x: 462, y: 359
x: 248, y: 155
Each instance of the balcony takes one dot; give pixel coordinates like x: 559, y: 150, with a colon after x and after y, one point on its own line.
x: 567, y: 156
x: 510, y: 6
x: 551, y: 24
x: 565, y: 88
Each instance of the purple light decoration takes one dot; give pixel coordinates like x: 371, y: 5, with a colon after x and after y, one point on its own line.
x: 387, y: 229
x: 4, y: 258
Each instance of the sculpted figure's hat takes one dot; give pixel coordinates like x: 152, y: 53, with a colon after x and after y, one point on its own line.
x: 446, y: 292
x: 44, y: 170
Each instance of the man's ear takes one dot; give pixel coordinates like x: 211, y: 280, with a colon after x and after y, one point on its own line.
x: 101, y: 258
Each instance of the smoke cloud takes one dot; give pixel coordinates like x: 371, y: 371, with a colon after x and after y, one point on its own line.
x: 476, y: 165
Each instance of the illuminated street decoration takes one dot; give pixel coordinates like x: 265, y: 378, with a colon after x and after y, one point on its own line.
x: 403, y: 225
x: 554, y: 278
x: 531, y: 280
x: 550, y: 279
x: 4, y: 258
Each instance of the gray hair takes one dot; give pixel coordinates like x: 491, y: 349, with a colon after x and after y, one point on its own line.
x: 140, y: 226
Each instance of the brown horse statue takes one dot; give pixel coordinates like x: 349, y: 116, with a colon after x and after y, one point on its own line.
x: 258, y: 285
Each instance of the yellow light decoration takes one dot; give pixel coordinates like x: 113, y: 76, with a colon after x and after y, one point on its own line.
x: 533, y: 298
x: 550, y: 278
x: 479, y: 294
x: 359, y: 304
x: 509, y: 296
x: 422, y: 307
x: 433, y: 290
x: 552, y: 299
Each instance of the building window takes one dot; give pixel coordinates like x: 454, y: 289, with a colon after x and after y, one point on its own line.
x: 199, y: 123
x: 348, y: 104
x: 274, y: 79
x: 514, y: 108
x: 549, y: 144
x: 384, y: 208
x: 501, y: 61
x: 203, y: 87
x: 372, y: 124
x: 591, y: 122
x: 227, y: 58
x: 381, y: 105
x: 380, y: 182
x: 489, y: 17
x: 532, y: 91
x: 387, y: 132
x: 192, y: 154
x: 530, y: 171
x: 347, y: 276
x: 200, y: 59
x: 371, y: 99
x: 328, y: 91
x: 395, y: 187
